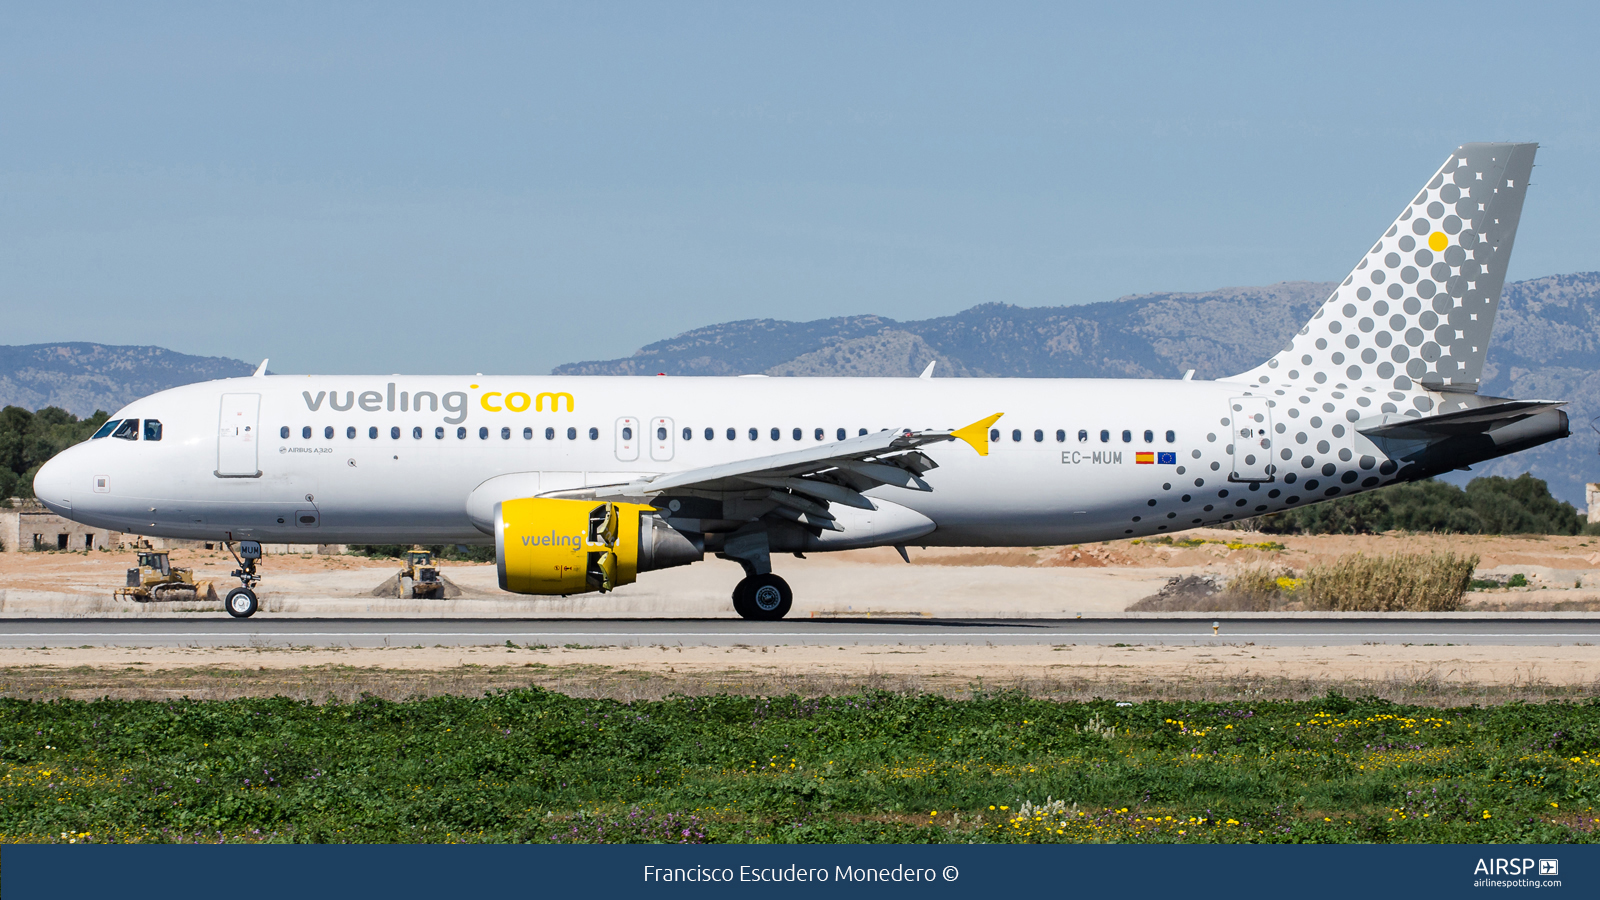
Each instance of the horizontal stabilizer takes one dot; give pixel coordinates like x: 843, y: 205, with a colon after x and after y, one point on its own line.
x: 1468, y: 421
x: 1482, y: 429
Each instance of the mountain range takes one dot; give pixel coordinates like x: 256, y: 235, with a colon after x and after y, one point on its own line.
x: 1546, y: 345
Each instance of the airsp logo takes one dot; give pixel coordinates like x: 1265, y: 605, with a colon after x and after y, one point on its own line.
x: 1500, y: 866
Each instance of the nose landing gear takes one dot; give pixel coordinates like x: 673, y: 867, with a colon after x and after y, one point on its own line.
x: 241, y: 601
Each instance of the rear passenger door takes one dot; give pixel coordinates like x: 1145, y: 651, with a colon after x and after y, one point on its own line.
x: 1251, y: 438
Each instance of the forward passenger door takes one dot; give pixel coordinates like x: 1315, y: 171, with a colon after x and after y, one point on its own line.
x: 238, y: 436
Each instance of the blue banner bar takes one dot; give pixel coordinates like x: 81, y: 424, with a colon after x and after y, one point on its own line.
x: 305, y: 872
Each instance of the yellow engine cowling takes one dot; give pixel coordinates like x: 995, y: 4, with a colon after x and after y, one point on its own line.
x: 551, y: 546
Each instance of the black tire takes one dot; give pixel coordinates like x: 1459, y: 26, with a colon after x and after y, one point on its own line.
x: 240, y: 603
x: 767, y: 598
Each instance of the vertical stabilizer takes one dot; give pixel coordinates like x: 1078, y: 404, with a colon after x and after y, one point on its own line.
x: 1418, y: 309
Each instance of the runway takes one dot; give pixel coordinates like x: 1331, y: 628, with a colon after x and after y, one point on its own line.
x: 375, y: 632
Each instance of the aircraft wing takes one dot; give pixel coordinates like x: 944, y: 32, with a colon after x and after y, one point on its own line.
x: 802, y: 483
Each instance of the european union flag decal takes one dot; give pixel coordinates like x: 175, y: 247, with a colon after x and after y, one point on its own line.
x: 1167, y: 459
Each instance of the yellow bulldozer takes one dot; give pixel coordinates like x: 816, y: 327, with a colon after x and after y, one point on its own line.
x: 155, y: 578
x: 420, y: 577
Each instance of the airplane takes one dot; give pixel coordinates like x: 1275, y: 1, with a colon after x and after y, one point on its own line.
x: 584, y: 483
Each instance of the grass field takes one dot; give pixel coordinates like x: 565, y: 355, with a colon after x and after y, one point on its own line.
x: 534, y: 765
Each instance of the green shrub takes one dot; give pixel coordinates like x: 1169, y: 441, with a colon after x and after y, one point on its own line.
x: 1400, y: 582
x: 1253, y: 589
x: 29, y: 439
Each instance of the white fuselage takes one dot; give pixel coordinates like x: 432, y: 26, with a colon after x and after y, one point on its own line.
x: 382, y: 471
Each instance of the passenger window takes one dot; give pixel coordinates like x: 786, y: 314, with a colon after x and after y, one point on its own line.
x: 350, y: 433
x: 661, y: 434
x: 1149, y: 436
x: 839, y: 435
x: 483, y: 433
x: 372, y: 432
x: 688, y: 433
x: 776, y: 435
x: 1061, y: 436
x: 505, y: 433
x: 106, y: 429
x: 862, y: 433
x: 797, y: 434
x: 819, y: 434
x: 550, y: 434
x: 1016, y: 434
x: 752, y: 434
x: 994, y: 434
x: 394, y: 432
x: 152, y: 429
x: 1105, y: 436
x: 572, y: 434
x: 461, y: 433
x: 711, y: 433
x: 284, y: 432
x: 1127, y: 436
x: 594, y: 434
x: 306, y: 432
x: 627, y: 433
x: 732, y: 434
x: 416, y: 432
x: 327, y: 433
x: 527, y: 434
x: 1172, y: 437
x: 1083, y: 435
x: 438, y: 433
x: 1038, y: 436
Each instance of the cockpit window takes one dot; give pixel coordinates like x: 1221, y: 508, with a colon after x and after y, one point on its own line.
x: 152, y: 429
x: 106, y: 429
x: 128, y: 430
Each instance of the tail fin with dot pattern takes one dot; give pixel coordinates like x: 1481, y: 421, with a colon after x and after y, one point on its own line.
x: 1416, y: 313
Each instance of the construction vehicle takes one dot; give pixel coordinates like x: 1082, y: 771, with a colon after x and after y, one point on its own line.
x: 420, y: 577
x: 155, y: 578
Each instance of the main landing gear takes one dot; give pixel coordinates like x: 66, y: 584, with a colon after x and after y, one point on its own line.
x: 762, y: 597
x: 241, y: 601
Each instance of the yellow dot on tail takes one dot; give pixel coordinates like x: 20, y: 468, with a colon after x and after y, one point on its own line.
x: 1438, y: 241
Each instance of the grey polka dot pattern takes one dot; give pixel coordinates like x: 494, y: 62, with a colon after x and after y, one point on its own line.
x: 1407, y: 329
x: 1443, y: 262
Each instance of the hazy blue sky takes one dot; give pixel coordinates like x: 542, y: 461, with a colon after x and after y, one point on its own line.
x: 505, y: 187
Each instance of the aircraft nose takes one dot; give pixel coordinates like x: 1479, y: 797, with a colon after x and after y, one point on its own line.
x: 53, y: 483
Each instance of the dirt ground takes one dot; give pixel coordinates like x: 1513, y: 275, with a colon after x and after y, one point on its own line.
x: 940, y: 581
x: 1440, y: 672
x: 1562, y: 573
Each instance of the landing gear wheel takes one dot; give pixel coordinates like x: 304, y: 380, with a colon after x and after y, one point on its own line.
x: 763, y: 598
x: 241, y: 603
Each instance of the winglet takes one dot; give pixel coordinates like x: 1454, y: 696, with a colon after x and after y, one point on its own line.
x: 260, y: 370
x: 928, y: 372
x: 977, y: 434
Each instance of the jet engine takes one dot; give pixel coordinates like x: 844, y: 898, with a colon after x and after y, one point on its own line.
x: 555, y: 546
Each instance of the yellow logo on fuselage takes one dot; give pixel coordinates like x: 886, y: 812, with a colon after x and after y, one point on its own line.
x: 517, y: 401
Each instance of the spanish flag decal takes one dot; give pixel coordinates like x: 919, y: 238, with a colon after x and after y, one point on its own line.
x: 1145, y: 459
